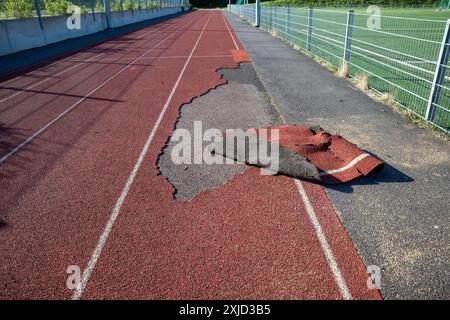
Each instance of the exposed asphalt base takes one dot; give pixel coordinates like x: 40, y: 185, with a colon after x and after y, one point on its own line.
x: 397, y: 218
x: 242, y: 103
x: 41, y: 55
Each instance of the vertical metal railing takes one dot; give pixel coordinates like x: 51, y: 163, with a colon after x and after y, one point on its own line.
x: 91, y: 2
x: 107, y: 7
x: 272, y: 20
x: 439, y: 75
x: 348, y: 36
x: 38, y: 12
x: 288, y: 26
x: 406, y: 59
x: 258, y: 13
x: 310, y: 28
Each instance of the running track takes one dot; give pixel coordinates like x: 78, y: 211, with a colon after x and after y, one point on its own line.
x: 79, y: 185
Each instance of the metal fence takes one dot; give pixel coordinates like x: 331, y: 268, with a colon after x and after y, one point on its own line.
x: 17, y: 9
x: 406, y: 59
x: 124, y: 5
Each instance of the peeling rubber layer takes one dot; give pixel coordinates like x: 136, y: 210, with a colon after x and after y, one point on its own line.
x: 303, y: 149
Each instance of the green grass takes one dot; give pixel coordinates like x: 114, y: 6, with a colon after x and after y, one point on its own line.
x: 430, y: 13
x: 407, y: 79
x: 419, y: 13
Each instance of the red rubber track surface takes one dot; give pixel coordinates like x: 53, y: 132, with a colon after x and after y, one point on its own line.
x: 250, y: 238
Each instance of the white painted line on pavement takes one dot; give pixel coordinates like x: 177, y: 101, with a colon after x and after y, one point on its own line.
x: 22, y: 90
x: 49, y: 78
x: 348, y: 166
x: 231, y: 34
x: 323, y: 242
x: 160, y: 57
x: 76, y: 104
x: 115, y: 212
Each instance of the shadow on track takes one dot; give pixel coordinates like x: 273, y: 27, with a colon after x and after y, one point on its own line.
x: 385, y: 174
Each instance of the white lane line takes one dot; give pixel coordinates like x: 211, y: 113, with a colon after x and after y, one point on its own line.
x: 339, y: 279
x: 48, y: 79
x: 67, y: 70
x: 115, y: 212
x: 158, y: 57
x: 346, y: 167
x: 231, y: 34
x: 54, y: 61
x: 62, y: 114
x: 337, y: 275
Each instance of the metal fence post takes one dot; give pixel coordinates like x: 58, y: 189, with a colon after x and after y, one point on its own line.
x: 288, y: 13
x: 92, y: 9
x: 309, y: 34
x: 271, y: 17
x: 107, y: 13
x: 258, y: 13
x: 37, y: 5
x: 348, y: 36
x: 121, y: 7
x: 439, y: 75
x: 264, y: 21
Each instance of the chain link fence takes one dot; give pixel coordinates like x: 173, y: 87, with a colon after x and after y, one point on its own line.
x: 405, y: 59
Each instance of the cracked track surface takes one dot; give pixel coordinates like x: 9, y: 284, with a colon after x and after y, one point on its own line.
x: 242, y: 103
x: 398, y: 218
x: 90, y: 180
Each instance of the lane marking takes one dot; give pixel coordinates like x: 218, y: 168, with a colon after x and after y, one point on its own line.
x: 62, y: 114
x: 339, y: 279
x: 229, y: 31
x: 115, y: 212
x: 54, y: 61
x: 23, y: 90
x: 337, y: 275
x: 159, y: 57
x: 348, y: 166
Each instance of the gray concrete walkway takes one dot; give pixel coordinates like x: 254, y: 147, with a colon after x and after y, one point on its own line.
x: 398, y: 218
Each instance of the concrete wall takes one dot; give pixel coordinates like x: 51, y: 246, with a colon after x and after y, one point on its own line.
x: 22, y: 34
x: 55, y: 29
x: 118, y: 19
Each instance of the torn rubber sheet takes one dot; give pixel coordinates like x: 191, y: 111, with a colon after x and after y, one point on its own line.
x: 306, y: 153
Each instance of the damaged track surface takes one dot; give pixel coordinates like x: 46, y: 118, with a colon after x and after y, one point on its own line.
x: 241, y: 103
x: 397, y: 218
x: 86, y: 190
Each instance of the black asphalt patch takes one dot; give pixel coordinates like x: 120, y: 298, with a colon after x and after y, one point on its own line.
x: 242, y: 103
